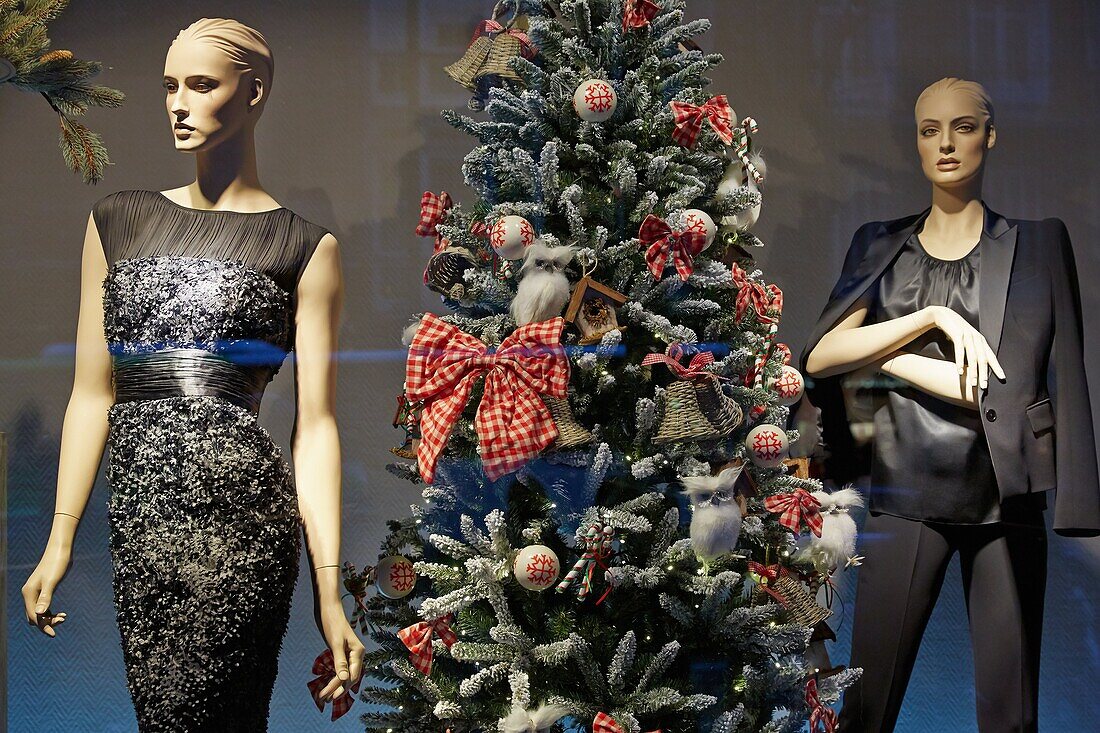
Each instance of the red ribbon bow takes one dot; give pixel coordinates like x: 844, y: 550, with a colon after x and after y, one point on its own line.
x: 513, y: 424
x: 689, y: 120
x: 638, y: 13
x: 604, y: 723
x: 769, y: 574
x: 661, y: 241
x: 795, y: 508
x: 822, y: 717
x: 432, y: 210
x: 323, y: 667
x: 418, y: 639
x: 526, y: 48
x: 692, y: 370
x: 762, y: 299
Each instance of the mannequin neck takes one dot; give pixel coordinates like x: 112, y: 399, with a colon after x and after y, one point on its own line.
x: 226, y: 175
x: 957, y: 212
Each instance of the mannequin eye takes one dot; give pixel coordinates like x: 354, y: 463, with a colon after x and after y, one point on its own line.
x: 965, y: 127
x: 169, y: 86
x: 928, y: 131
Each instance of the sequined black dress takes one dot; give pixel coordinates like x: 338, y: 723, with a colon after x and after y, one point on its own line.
x: 204, y: 523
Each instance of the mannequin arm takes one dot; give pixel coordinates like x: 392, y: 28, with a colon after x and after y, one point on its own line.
x: 84, y: 432
x: 937, y: 377
x: 83, y: 437
x: 316, y: 442
x: 851, y: 345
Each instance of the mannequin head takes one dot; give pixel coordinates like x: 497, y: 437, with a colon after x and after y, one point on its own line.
x: 217, y: 76
x: 954, y: 131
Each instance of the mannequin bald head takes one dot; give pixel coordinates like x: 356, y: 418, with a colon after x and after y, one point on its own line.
x: 218, y: 75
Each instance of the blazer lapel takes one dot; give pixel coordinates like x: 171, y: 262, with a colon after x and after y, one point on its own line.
x: 996, y: 267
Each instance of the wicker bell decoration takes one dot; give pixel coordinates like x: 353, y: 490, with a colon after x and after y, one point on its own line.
x: 570, y: 432
x: 720, y: 409
x: 682, y: 419
x: 503, y: 47
x: 445, y: 270
x: 801, y: 607
x: 465, y: 70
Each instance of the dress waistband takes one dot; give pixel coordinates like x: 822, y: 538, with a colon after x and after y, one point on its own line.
x: 188, y: 372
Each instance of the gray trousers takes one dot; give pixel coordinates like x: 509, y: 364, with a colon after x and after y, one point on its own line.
x: 1004, y: 579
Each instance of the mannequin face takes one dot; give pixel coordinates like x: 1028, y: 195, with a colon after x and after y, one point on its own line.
x: 208, y: 99
x: 952, y: 138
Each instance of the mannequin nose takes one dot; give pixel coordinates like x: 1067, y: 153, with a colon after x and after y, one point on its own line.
x: 946, y: 146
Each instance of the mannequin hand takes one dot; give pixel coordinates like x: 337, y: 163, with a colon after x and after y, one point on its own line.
x: 40, y: 586
x: 347, y: 650
x: 971, y: 348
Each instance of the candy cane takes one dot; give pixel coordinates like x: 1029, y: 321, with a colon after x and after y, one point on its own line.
x: 741, y: 140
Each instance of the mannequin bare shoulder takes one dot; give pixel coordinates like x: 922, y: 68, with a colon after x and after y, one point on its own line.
x: 83, y: 437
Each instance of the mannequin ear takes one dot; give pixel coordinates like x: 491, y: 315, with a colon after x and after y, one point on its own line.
x: 257, y: 93
x: 991, y: 138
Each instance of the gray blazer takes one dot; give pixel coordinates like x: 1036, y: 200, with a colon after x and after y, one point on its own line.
x: 1029, y: 305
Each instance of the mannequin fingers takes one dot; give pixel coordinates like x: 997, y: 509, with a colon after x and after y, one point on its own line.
x: 972, y: 361
x: 356, y: 665
x: 957, y: 342
x: 327, y: 690
x: 43, y: 604
x: 995, y: 365
x: 983, y: 364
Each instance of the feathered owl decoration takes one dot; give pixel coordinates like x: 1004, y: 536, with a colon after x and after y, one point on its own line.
x: 716, y: 516
x: 543, y: 287
x: 527, y: 721
x: 838, y: 531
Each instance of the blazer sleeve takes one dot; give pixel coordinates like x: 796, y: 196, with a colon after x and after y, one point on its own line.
x: 1077, y: 502
x: 843, y: 464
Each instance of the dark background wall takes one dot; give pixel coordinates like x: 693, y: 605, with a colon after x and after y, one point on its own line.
x: 351, y: 137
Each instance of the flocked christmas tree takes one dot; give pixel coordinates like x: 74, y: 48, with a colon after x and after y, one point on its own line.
x: 611, y: 537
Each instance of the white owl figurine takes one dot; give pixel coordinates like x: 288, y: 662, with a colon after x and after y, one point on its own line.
x: 716, y: 516
x: 838, y: 530
x: 543, y: 287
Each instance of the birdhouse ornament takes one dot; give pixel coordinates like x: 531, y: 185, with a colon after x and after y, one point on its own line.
x: 593, y: 309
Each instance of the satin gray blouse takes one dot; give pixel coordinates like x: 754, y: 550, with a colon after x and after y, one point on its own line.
x: 930, y: 457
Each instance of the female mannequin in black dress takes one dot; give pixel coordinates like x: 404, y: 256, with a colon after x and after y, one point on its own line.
x: 965, y: 309
x: 190, y: 300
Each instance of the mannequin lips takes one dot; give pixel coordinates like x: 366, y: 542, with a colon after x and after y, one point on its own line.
x: 947, y: 164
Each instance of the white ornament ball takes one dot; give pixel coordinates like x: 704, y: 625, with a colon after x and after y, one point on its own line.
x: 595, y: 100
x: 699, y: 220
x: 536, y: 567
x: 789, y: 385
x: 510, y: 236
x: 767, y: 445
x: 395, y: 576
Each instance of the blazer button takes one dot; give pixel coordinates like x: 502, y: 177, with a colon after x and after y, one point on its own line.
x: 990, y: 414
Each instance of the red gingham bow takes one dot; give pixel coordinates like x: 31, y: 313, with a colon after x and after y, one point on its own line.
x: 751, y: 293
x: 604, y: 723
x: 769, y: 574
x: 526, y: 48
x: 323, y: 667
x: 689, y: 120
x: 660, y: 241
x: 418, y: 639
x: 822, y: 717
x: 432, y: 210
x: 638, y: 13
x: 794, y: 508
x: 692, y: 370
x: 513, y: 424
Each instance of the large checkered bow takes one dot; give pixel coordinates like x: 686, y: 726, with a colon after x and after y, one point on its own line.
x: 795, y: 508
x: 325, y: 671
x: 432, y: 210
x: 638, y: 13
x: 823, y: 718
x: 604, y: 723
x: 418, y: 639
x: 750, y: 293
x: 689, y: 120
x: 513, y: 424
x: 661, y: 241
